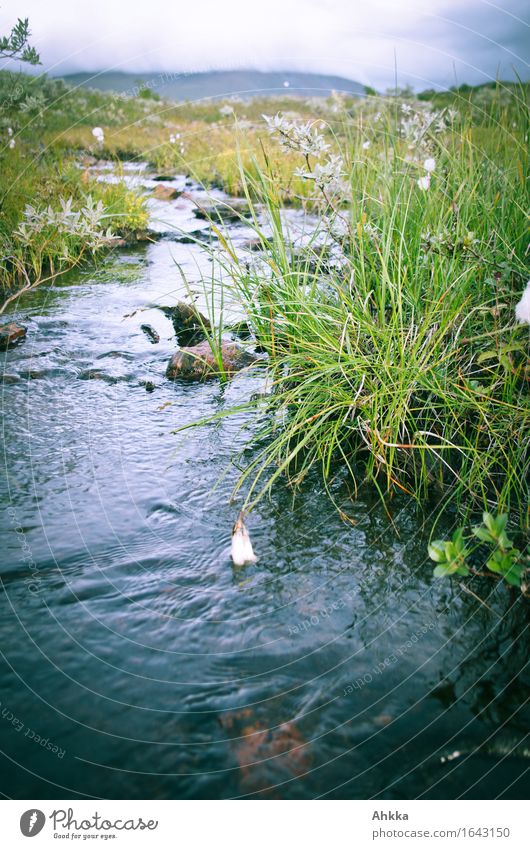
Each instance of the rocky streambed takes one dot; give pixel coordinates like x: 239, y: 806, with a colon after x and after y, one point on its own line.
x: 335, y: 666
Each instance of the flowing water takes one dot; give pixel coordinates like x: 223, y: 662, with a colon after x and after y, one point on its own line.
x: 137, y: 662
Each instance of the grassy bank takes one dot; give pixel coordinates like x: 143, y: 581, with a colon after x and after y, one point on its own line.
x: 390, y: 336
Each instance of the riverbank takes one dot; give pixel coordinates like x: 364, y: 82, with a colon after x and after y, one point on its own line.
x: 389, y: 330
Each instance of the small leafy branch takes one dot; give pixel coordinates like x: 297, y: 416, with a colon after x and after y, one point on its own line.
x: 504, y: 560
x: 15, y: 45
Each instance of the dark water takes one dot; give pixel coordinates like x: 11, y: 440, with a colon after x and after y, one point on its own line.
x: 137, y: 662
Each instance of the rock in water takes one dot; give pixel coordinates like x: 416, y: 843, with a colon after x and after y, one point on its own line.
x: 162, y: 192
x: 231, y: 212
x: 242, y: 551
x: 190, y: 325
x: 11, y: 334
x: 150, y: 332
x: 199, y: 362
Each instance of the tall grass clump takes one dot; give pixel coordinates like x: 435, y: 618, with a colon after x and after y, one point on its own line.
x: 389, y: 331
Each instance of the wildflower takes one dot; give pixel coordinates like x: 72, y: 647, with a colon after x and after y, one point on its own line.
x: 84, y: 224
x: 300, y: 137
x: 98, y: 134
x: 422, y: 121
x: 522, y: 310
x: 366, y: 144
x: 10, y: 131
x: 227, y: 110
x: 424, y: 182
x: 174, y: 137
x: 327, y: 176
x: 429, y: 165
x: 12, y: 143
x: 242, y: 551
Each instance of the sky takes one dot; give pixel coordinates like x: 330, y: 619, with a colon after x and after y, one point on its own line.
x: 427, y: 42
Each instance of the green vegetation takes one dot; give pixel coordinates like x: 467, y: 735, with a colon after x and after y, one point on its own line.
x: 52, y: 213
x: 16, y: 46
x: 502, y: 559
x: 391, y: 338
x: 389, y: 334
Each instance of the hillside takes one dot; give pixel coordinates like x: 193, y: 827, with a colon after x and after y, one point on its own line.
x: 181, y: 86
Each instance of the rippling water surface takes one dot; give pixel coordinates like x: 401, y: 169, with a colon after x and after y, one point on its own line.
x: 137, y: 662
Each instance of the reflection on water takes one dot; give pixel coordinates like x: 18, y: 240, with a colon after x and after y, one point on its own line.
x: 137, y: 662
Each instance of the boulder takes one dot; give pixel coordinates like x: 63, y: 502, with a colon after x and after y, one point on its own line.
x: 11, y: 334
x: 162, y: 192
x: 199, y: 362
x: 188, y: 322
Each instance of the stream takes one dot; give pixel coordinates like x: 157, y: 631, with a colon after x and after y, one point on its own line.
x: 138, y: 662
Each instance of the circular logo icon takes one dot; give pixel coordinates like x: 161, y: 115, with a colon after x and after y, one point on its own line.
x: 31, y: 822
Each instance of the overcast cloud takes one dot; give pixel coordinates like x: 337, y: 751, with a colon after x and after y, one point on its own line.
x: 431, y: 42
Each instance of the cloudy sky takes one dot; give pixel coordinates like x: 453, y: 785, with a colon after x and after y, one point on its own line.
x: 428, y: 41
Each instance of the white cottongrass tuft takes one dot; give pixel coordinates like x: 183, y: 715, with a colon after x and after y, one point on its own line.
x: 242, y: 551
x: 424, y: 182
x: 98, y: 134
x: 12, y: 143
x: 522, y: 310
x: 429, y: 165
x: 366, y: 145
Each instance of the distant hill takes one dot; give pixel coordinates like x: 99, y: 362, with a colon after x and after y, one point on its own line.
x: 173, y: 86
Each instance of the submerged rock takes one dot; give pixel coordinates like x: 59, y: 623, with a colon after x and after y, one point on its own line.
x: 194, y: 236
x: 232, y: 211
x: 200, y: 363
x: 151, y: 333
x: 11, y: 334
x: 162, y: 192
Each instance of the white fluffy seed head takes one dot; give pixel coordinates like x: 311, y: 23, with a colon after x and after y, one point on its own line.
x: 522, y: 310
x: 242, y: 551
